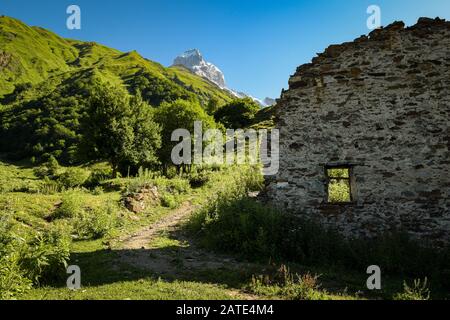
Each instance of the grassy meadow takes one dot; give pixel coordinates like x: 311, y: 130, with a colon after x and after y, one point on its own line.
x: 214, y: 252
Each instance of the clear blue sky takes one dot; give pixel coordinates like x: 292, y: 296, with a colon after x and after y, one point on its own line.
x: 257, y: 43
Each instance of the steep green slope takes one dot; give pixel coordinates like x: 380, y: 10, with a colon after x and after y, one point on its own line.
x: 32, y: 55
x: 46, y: 83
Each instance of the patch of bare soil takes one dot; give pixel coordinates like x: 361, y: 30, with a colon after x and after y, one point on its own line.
x: 177, y: 261
x: 143, y: 238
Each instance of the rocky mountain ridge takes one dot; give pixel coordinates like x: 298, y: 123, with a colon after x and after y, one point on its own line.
x: 193, y: 60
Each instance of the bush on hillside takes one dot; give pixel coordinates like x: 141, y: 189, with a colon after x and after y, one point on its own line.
x: 13, y: 281
x: 281, y: 282
x: 169, y: 201
x: 179, y: 114
x: 173, y: 186
x: 48, y: 186
x: 95, y: 223
x: 237, y: 114
x: 73, y: 177
x: 48, y: 169
x: 45, y: 257
x: 70, y: 207
x: 98, y: 176
x: 86, y: 222
x: 418, y: 291
x: 37, y: 259
x: 198, y: 179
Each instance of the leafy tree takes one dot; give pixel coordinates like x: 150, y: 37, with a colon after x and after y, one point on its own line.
x: 238, y: 113
x: 73, y: 177
x: 118, y: 129
x: 156, y: 90
x: 179, y: 115
x: 147, y: 134
x: 212, y: 106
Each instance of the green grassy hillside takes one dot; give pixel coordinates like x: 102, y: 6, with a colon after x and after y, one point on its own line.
x: 32, y: 55
x: 46, y: 82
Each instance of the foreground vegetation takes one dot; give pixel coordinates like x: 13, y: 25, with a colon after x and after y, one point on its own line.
x: 54, y: 217
x: 47, y: 224
x: 234, y: 223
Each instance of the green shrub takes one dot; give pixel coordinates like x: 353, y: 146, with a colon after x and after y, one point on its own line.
x: 73, y: 177
x: 70, y: 207
x: 97, y: 191
x: 98, y: 176
x: 144, y: 179
x: 173, y: 186
x: 7, y: 224
x: 240, y: 226
x: 41, y: 171
x: 232, y: 222
x: 198, y: 179
x: 132, y: 186
x: 86, y: 223
x: 118, y: 185
x: 95, y: 223
x: 169, y: 201
x: 48, y: 186
x: 171, y: 173
x: 303, y: 287
x: 45, y: 257
x: 52, y: 165
x: 280, y: 282
x: 36, y: 260
x: 419, y: 291
x: 12, y: 279
x: 48, y: 169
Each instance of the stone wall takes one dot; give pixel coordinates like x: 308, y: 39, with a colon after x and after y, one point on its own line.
x: 381, y: 104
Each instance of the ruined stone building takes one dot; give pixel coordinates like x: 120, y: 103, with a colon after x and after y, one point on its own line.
x: 364, y: 134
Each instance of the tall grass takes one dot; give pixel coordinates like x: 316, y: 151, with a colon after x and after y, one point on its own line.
x: 36, y: 259
x: 279, y: 281
x: 147, y: 178
x: 233, y: 222
x: 86, y: 222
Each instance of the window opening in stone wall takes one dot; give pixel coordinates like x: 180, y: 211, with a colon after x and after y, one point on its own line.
x: 339, y: 184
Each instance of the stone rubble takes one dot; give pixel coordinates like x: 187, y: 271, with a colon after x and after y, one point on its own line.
x: 137, y: 202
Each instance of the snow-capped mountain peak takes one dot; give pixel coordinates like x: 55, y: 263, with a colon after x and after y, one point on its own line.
x: 194, y: 61
x: 191, y: 53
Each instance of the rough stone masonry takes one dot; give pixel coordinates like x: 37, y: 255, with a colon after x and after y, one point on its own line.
x: 379, y: 105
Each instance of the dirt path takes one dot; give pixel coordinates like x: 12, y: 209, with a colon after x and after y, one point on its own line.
x: 143, y: 238
x: 184, y: 259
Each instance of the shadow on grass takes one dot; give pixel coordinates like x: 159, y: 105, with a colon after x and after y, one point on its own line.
x: 106, y: 267
x: 171, y: 263
x: 10, y: 159
x: 178, y: 264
